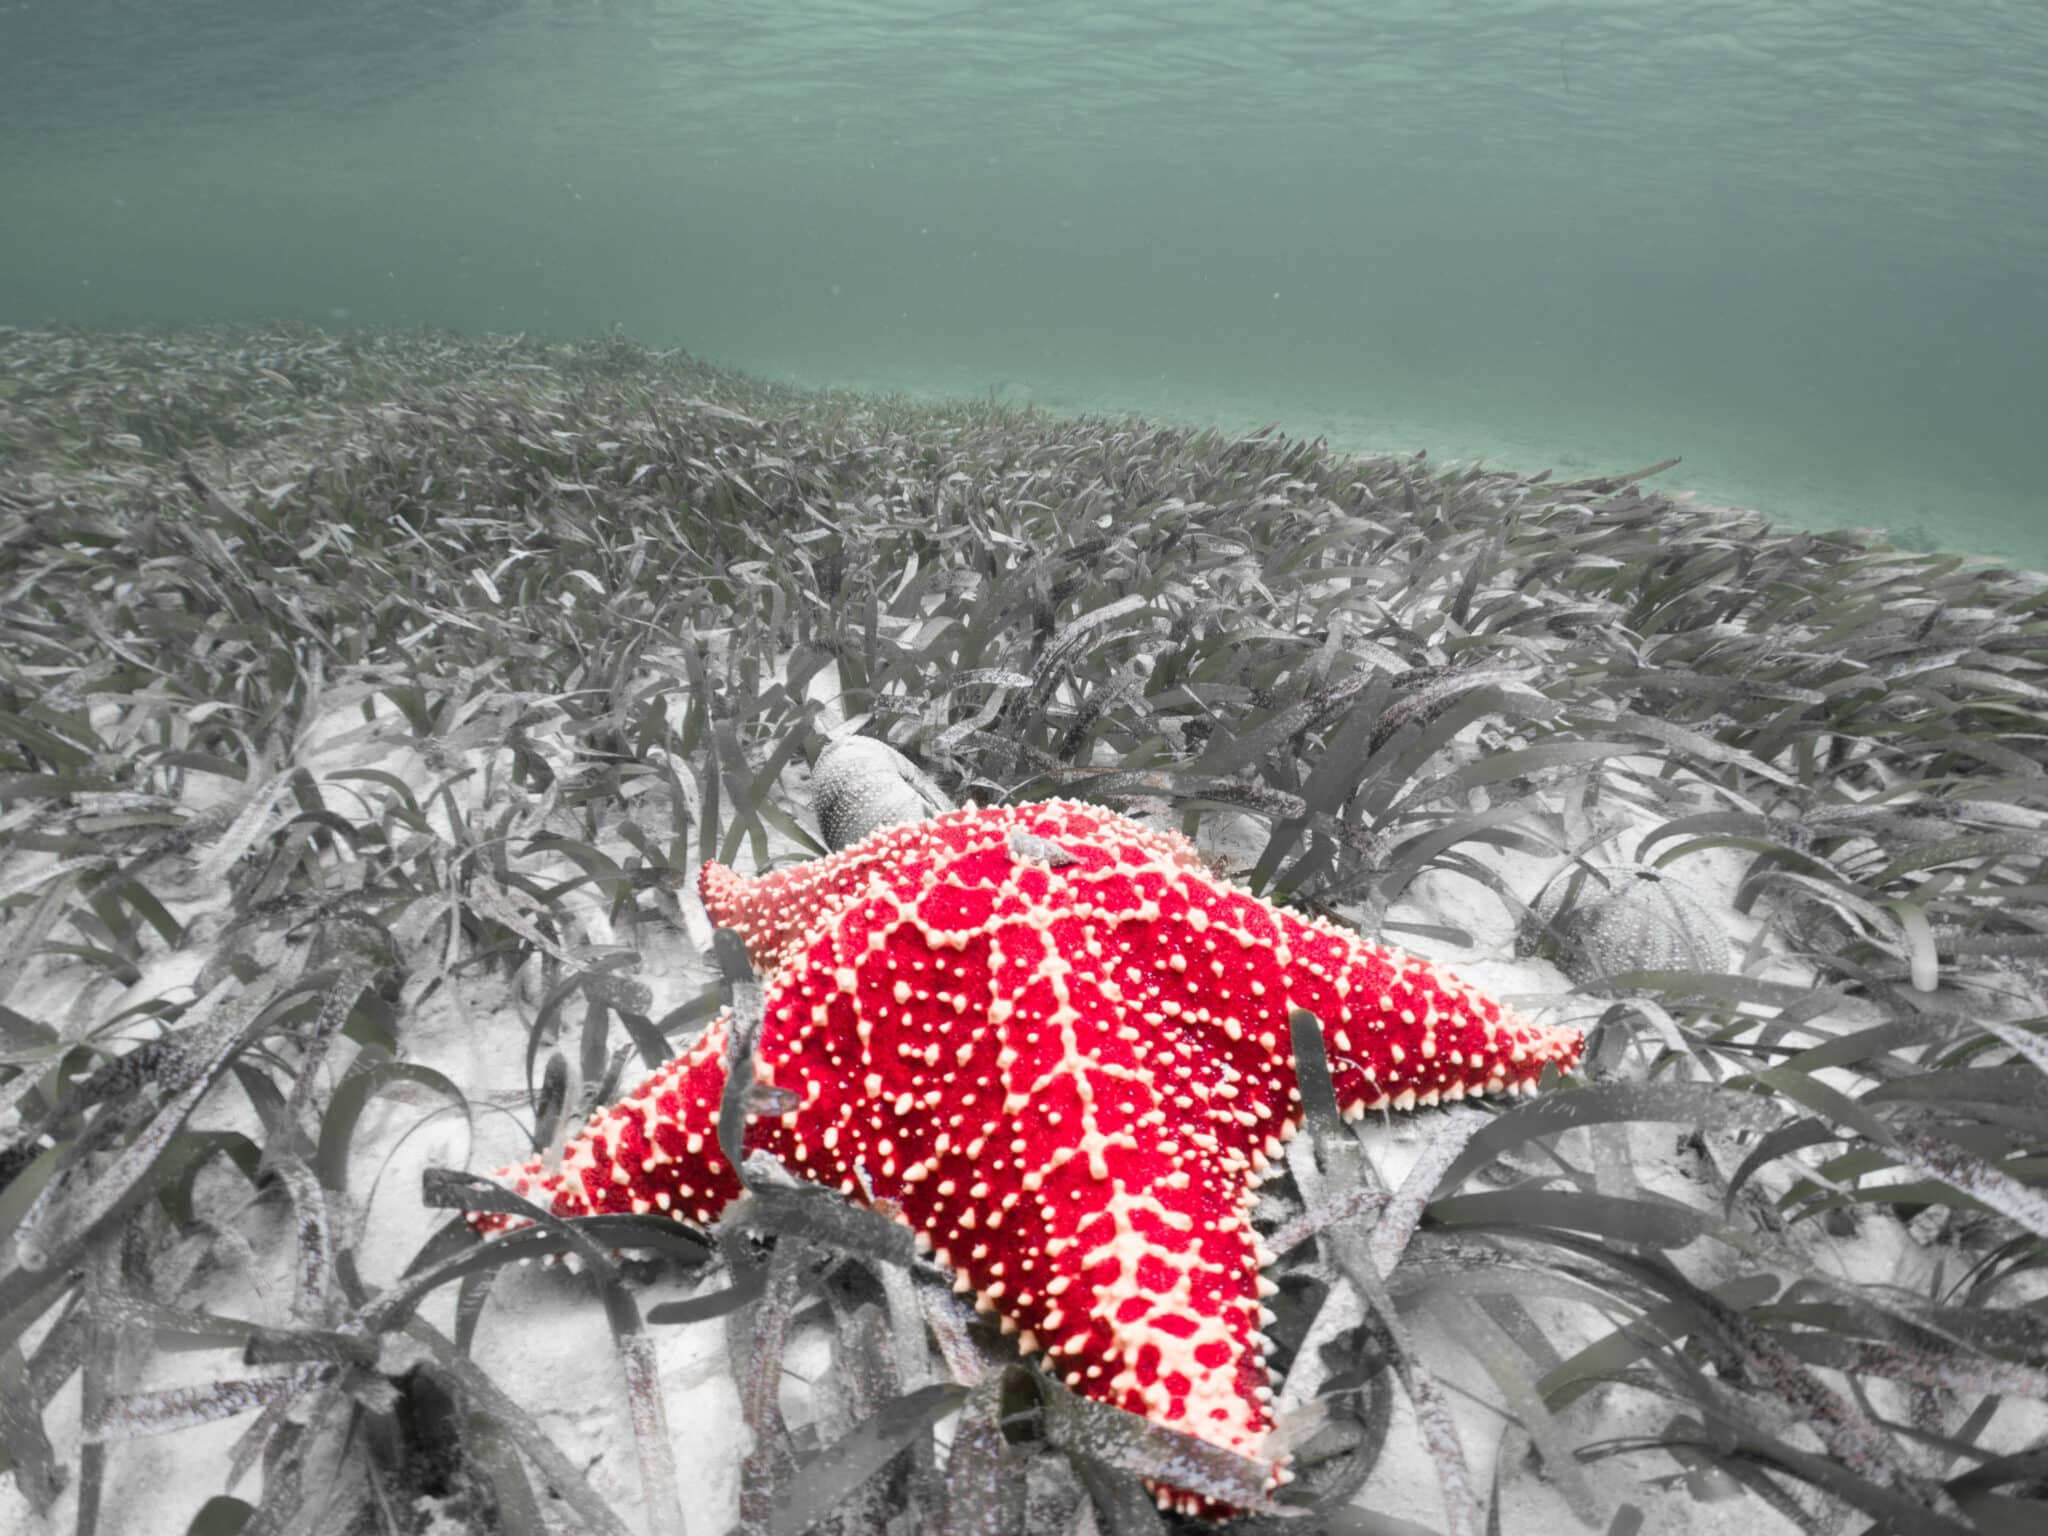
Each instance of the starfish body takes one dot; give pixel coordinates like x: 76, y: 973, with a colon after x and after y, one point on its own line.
x: 1049, y: 1040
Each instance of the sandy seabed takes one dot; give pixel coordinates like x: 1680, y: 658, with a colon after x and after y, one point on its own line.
x: 544, y: 1335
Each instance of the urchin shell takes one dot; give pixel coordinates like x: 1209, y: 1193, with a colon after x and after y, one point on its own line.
x: 862, y: 785
x: 1646, y: 921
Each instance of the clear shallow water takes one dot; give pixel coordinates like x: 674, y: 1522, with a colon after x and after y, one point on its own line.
x: 1805, y: 246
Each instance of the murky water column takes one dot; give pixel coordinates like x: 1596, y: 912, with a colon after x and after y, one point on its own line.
x: 1802, y: 249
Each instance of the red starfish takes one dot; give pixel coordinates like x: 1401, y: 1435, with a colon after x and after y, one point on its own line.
x: 1058, y: 1049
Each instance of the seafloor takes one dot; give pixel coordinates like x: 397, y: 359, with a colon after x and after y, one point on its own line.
x: 367, y: 703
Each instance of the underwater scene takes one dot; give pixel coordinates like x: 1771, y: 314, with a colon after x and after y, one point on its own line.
x: 1125, y: 769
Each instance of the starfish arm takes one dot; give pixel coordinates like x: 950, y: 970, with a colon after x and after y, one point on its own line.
x: 773, y: 912
x: 656, y: 1149
x: 778, y: 913
x: 1400, y: 1031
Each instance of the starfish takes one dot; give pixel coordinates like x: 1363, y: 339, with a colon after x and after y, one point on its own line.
x: 1052, y: 1043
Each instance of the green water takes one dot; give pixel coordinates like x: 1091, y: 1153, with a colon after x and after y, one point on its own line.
x: 1804, y: 245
